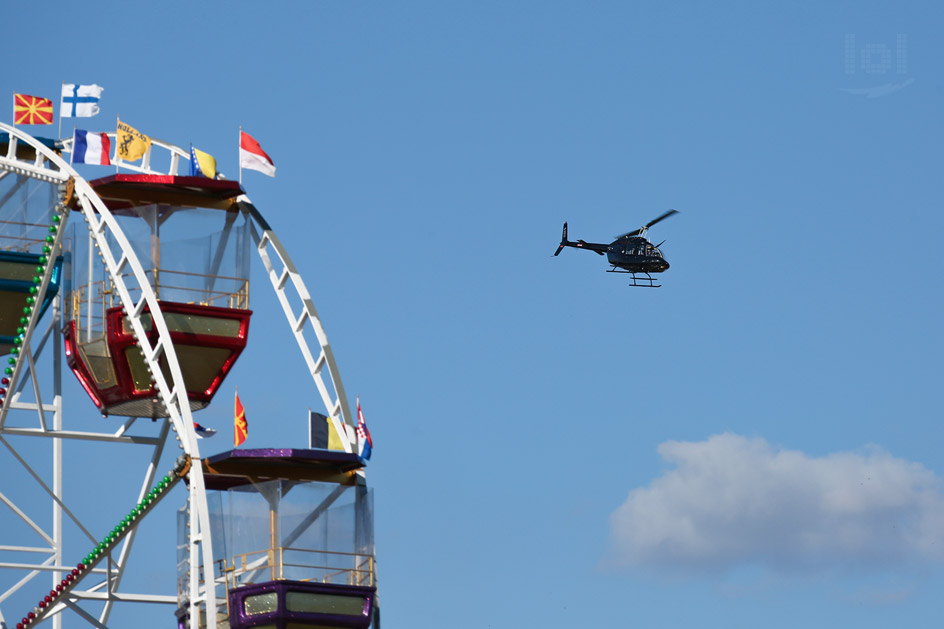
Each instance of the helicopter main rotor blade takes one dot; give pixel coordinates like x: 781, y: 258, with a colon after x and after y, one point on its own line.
x: 663, y: 217
x: 636, y: 232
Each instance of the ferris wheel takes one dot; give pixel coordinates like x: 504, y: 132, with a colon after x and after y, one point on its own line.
x: 93, y: 282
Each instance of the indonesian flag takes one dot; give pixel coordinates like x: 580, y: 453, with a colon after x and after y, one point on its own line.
x: 252, y: 156
x: 31, y: 110
x: 91, y: 148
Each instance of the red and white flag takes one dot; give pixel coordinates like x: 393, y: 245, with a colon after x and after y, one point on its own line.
x: 252, y: 156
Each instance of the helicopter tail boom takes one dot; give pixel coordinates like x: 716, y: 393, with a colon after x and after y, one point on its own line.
x: 598, y: 248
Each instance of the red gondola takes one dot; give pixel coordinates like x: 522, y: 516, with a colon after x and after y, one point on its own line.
x: 206, y: 313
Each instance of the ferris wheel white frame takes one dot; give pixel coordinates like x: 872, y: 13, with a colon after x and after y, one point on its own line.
x: 289, y: 287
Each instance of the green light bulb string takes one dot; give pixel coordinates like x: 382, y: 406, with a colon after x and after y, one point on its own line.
x: 101, y: 549
x: 52, y: 244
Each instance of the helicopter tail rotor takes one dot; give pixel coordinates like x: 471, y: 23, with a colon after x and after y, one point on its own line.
x: 563, y: 241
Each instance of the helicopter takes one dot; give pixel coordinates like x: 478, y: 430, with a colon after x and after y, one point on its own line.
x: 630, y: 253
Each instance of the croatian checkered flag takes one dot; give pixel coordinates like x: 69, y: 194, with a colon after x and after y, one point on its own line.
x: 203, y: 432
x: 364, y: 442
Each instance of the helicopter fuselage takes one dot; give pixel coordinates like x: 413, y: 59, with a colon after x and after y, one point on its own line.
x: 636, y: 255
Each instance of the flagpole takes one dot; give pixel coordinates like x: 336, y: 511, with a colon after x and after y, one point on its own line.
x: 239, y: 144
x: 117, y: 157
x: 61, y: 87
x: 235, y: 409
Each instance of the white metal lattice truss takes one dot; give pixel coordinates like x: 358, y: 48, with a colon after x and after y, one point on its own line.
x: 34, y: 409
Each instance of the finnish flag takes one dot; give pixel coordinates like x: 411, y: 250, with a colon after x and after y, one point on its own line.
x: 90, y: 148
x: 79, y: 101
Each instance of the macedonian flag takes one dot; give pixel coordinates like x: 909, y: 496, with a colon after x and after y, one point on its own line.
x: 240, y: 426
x: 31, y: 110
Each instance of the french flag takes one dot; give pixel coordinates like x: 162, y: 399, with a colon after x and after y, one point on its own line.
x: 91, y: 148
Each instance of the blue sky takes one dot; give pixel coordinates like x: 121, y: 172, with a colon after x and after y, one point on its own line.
x: 755, y: 442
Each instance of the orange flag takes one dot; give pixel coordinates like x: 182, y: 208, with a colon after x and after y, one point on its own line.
x: 240, y: 425
x: 31, y: 110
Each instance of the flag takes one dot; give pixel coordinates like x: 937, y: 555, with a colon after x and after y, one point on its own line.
x: 317, y: 430
x: 79, y: 101
x: 334, y: 436
x: 252, y: 156
x: 202, y: 164
x: 203, y: 432
x: 364, y: 443
x: 132, y: 144
x: 31, y: 110
x: 90, y: 148
x: 323, y: 432
x: 241, y: 427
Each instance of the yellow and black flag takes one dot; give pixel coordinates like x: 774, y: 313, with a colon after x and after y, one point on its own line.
x: 132, y: 144
x: 323, y: 432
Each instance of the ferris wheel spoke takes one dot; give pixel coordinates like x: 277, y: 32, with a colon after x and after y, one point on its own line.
x: 29, y: 577
x: 84, y: 614
x: 27, y: 160
x: 26, y: 519
x: 290, y: 287
x: 45, y: 487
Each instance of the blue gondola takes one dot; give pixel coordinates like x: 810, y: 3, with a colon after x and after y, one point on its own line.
x: 17, y: 273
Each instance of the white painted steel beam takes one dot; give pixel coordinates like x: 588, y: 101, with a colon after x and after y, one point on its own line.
x: 103, y: 227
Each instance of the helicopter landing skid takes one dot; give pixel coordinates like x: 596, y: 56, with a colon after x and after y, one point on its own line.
x: 641, y: 282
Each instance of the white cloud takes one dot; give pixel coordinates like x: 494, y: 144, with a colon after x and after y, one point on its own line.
x: 731, y: 501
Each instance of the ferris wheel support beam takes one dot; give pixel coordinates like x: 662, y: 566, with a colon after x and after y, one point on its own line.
x: 114, y: 583
x: 102, y: 222
x: 337, y: 405
x: 29, y: 522
x: 79, y: 436
x: 35, y: 570
x: 55, y: 498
